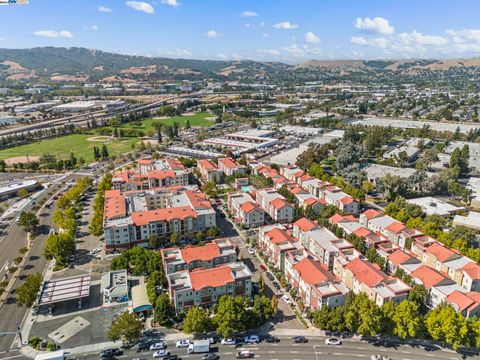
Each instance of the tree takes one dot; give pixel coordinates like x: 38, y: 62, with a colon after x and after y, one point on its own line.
x: 59, y: 247
x: 261, y: 283
x: 197, y: 321
x: 173, y: 238
x: 419, y: 295
x: 213, y: 232
x: 126, y: 327
x: 159, y: 134
x: 447, y: 325
x: 28, y: 221
x: 200, y: 236
x: 96, y: 153
x: 231, y: 316
x: 22, y: 193
x: 104, y: 152
x: 363, y: 316
x: 28, y: 291
x: 274, y: 304
x: 164, y: 310
x: 408, y: 320
x: 187, y: 124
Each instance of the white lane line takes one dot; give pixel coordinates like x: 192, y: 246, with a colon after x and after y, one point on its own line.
x: 271, y: 352
x: 406, y: 352
x: 11, y: 357
x: 228, y: 353
x: 337, y: 354
x: 360, y: 348
x: 293, y: 352
x: 361, y: 355
x: 431, y: 355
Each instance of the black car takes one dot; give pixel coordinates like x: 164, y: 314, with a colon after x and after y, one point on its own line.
x: 210, y: 356
x: 300, y: 340
x: 272, y: 339
x: 171, y: 357
x: 276, y: 285
x: 109, y: 353
x: 270, y: 276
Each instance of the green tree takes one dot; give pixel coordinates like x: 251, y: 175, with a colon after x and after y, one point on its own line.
x: 261, y: 283
x: 419, y: 295
x: 28, y: 221
x: 59, y: 247
x: 363, y: 316
x: 164, y: 310
x: 22, y: 193
x: 187, y: 124
x: 104, y: 152
x: 197, y: 321
x: 126, y: 327
x: 212, y: 232
x: 27, y: 292
x: 408, y: 320
x: 447, y: 325
x: 173, y: 238
x: 231, y: 316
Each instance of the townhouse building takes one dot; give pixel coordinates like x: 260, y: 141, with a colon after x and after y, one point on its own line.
x: 209, y: 171
x: 230, y: 167
x: 204, y: 287
x: 213, y: 254
x: 245, y: 210
x: 275, y: 205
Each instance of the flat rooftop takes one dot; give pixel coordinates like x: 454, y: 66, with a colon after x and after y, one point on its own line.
x: 74, y: 287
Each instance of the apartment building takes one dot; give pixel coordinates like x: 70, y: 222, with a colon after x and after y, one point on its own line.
x: 344, y: 202
x: 131, y: 218
x: 245, y: 210
x: 275, y: 241
x: 150, y: 174
x: 467, y: 304
x: 209, y: 171
x: 204, y: 287
x: 275, y: 205
x: 215, y: 253
x: 400, y: 259
x: 230, y: 167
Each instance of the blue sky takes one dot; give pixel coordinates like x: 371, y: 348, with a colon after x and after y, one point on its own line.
x: 292, y: 31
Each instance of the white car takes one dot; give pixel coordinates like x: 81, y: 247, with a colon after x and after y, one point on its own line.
x: 286, y: 299
x: 252, y: 339
x: 183, y: 343
x: 228, y: 342
x: 333, y: 341
x: 251, y: 251
x: 157, y: 346
x: 160, y: 354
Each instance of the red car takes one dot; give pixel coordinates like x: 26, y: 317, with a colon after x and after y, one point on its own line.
x: 263, y: 267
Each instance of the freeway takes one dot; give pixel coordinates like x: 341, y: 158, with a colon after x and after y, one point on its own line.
x: 10, y: 313
x: 315, y: 349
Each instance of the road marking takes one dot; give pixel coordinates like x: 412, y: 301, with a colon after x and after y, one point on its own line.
x: 293, y: 352
x: 11, y: 357
x: 406, y: 352
x: 271, y: 352
x: 337, y: 354
x: 360, y: 348
x: 431, y: 355
x: 361, y: 355
x: 228, y: 353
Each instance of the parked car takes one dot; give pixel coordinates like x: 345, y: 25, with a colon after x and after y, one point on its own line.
x: 108, y: 353
x: 157, y: 346
x: 210, y: 356
x: 160, y: 354
x: 300, y: 340
x: 286, y: 299
x: 245, y: 354
x: 251, y: 251
x: 171, y: 357
x: 228, y: 341
x: 333, y: 341
x: 252, y: 339
x: 183, y: 343
x: 276, y: 285
x: 270, y: 276
x: 263, y: 267
x: 272, y: 339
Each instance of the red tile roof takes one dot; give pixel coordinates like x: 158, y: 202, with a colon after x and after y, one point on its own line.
x: 461, y: 300
x: 473, y: 270
x: 365, y: 272
x: 440, y: 252
x: 428, y: 276
x: 207, y: 164
x: 228, y: 163
x: 201, y: 253
x: 114, y: 204
x: 298, y: 190
x: 175, y: 164
x: 362, y: 232
x: 399, y: 257
x: 144, y: 161
x: 249, y: 206
x: 278, y: 203
x: 179, y: 213
x: 277, y: 235
x: 395, y: 227
x: 305, y: 224
x: 197, y: 199
x: 215, y: 277
x: 371, y: 213
x: 313, y: 272
x: 347, y: 200
x: 160, y: 174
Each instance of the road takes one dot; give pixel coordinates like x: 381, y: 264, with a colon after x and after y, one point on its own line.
x: 315, y: 349
x: 10, y: 313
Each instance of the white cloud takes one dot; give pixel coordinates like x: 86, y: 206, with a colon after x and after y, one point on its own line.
x: 269, y: 52
x: 248, y: 14
x: 222, y: 56
x: 53, y: 33
x: 464, y: 35
x: 171, y: 2
x: 417, y: 38
x: 175, y: 52
x: 359, y: 40
x: 285, y: 25
x: 249, y: 26
x: 93, y: 27
x: 377, y: 25
x: 213, y: 34
x: 297, y: 51
x: 265, y: 35
x: 311, y: 38
x: 141, y: 6
x: 104, y: 9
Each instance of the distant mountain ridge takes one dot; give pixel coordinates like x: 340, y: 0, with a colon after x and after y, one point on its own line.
x: 79, y: 64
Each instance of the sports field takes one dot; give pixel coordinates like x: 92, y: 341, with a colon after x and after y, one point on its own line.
x: 64, y: 145
x: 196, y: 120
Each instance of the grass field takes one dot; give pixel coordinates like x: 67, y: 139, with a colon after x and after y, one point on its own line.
x: 199, y: 120
x: 63, y: 146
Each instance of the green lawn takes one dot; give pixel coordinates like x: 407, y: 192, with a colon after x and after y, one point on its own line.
x: 63, y: 146
x: 199, y: 120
